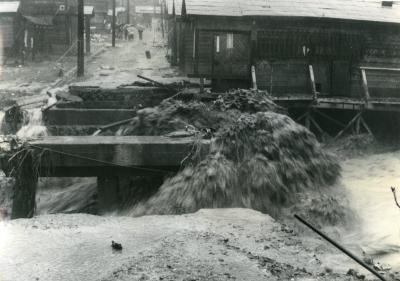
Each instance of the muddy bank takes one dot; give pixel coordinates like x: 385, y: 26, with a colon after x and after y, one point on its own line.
x: 222, y: 244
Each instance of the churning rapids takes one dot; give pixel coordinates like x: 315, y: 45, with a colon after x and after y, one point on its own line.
x: 367, y: 181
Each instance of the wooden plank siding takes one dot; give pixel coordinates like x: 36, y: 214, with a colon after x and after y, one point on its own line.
x: 285, y: 47
x: 205, y: 53
x: 7, y: 31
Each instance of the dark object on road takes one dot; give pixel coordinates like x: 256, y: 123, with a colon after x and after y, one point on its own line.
x: 340, y: 247
x: 148, y: 55
x: 116, y: 246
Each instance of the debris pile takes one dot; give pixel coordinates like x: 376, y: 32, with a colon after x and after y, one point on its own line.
x: 259, y: 158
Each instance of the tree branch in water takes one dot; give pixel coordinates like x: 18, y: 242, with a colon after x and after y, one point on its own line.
x: 395, y: 197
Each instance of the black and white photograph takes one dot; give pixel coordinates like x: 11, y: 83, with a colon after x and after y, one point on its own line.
x: 199, y: 140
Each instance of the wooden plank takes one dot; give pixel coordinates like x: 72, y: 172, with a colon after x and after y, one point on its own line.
x: 253, y: 77
x: 380, y: 68
x: 365, y: 84
x: 312, y: 81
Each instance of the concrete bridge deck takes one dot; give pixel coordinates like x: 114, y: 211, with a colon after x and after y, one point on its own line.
x: 110, y: 159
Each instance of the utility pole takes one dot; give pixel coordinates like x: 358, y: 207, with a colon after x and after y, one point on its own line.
x: 162, y: 18
x: 81, y: 26
x: 113, y: 23
x: 87, y: 31
x: 128, y: 11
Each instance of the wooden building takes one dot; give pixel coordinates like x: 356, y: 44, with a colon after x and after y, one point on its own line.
x: 292, y: 42
x: 50, y: 26
x: 172, y: 14
x: 9, y: 18
x: 99, y: 21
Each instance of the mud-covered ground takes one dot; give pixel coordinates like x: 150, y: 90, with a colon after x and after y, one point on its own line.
x: 219, y: 244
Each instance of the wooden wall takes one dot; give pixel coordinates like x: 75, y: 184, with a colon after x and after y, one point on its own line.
x: 6, y: 31
x: 285, y: 47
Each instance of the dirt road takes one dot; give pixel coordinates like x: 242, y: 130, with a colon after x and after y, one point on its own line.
x: 106, y: 66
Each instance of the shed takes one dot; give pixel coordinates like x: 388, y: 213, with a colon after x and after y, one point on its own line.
x: 283, y: 38
x: 8, y: 25
x: 50, y: 26
x: 100, y: 8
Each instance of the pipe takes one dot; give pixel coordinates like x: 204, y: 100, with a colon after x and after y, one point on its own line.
x: 341, y: 248
x: 158, y: 83
x: 109, y: 126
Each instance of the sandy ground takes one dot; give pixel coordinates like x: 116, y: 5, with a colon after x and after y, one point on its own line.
x: 220, y: 244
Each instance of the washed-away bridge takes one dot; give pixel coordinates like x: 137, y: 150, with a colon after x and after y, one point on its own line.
x: 107, y: 158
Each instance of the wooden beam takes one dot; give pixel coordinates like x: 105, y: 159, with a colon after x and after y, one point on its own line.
x: 349, y: 125
x: 81, y: 55
x: 202, y: 85
x: 253, y: 77
x: 87, y: 32
x: 366, y: 126
x: 365, y: 84
x: 380, y: 68
x: 330, y: 118
x: 312, y: 81
x: 113, y: 24
x: 26, y: 181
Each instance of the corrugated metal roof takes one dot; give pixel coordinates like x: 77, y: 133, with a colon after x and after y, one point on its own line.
x: 365, y: 10
x: 213, y: 7
x: 9, y: 6
x: 88, y: 10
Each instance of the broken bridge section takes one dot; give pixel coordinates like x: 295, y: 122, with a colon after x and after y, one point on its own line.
x: 110, y: 159
x: 97, y: 107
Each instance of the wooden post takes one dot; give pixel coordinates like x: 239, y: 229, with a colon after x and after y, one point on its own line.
x: 201, y: 85
x: 26, y: 181
x: 253, y: 77
x: 365, y: 84
x: 307, y: 121
x: 312, y: 81
x: 128, y: 10
x: 108, y: 193
x: 113, y: 23
x: 81, y: 54
x: 87, y: 27
x: 174, y: 38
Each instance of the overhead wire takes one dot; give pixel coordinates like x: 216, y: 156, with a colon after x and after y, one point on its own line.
x: 99, y: 161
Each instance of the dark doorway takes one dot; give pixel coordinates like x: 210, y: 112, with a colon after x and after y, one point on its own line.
x: 231, y: 56
x: 340, y: 78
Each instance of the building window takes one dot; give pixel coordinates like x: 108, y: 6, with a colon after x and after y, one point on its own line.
x: 217, y: 43
x: 229, y: 41
x: 387, y: 4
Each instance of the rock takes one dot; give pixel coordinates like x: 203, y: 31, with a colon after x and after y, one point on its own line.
x: 116, y: 246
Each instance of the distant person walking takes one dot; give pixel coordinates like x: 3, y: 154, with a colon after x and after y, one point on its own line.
x: 140, y: 29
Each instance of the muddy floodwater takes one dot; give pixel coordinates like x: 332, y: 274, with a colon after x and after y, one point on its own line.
x: 367, y: 181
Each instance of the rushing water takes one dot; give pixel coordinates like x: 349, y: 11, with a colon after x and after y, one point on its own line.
x: 367, y: 181
x: 33, y: 126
